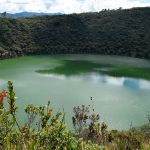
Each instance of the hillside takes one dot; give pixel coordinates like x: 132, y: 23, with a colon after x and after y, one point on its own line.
x: 113, y: 32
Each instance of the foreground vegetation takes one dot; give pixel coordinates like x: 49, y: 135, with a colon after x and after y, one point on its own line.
x: 47, y: 131
x: 117, y: 32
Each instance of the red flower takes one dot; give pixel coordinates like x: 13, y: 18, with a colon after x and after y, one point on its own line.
x: 2, y: 95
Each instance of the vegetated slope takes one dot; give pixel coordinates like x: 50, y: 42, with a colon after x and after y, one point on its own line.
x: 113, y: 32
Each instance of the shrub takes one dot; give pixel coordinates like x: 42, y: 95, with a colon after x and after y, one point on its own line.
x: 43, y: 130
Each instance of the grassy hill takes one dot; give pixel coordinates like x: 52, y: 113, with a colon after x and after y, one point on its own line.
x: 113, y: 32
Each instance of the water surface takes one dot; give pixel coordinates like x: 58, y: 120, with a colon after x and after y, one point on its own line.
x: 70, y: 80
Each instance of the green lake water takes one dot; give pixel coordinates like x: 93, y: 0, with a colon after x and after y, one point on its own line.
x: 120, y: 86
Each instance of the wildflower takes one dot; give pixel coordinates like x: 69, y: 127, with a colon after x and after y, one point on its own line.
x: 2, y: 95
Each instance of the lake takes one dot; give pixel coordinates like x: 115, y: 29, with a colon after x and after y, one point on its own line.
x: 120, y: 86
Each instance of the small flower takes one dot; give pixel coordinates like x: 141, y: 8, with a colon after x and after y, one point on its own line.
x: 2, y: 95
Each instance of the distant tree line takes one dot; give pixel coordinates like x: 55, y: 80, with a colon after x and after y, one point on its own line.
x: 111, y: 32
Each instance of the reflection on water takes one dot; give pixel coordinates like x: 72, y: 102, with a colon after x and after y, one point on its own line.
x: 118, y: 100
x: 104, y: 79
x: 2, y: 82
x: 137, y: 84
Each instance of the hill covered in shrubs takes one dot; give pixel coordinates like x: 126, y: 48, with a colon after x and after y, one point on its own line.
x: 112, y: 32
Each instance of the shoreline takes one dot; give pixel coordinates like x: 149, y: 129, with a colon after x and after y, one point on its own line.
x: 9, y: 55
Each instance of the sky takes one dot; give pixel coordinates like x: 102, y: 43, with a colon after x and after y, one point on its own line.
x: 67, y: 6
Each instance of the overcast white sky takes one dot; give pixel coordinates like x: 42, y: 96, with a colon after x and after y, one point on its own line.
x: 67, y: 6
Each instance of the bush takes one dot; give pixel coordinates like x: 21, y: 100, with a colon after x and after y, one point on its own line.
x: 47, y: 131
x: 43, y: 130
